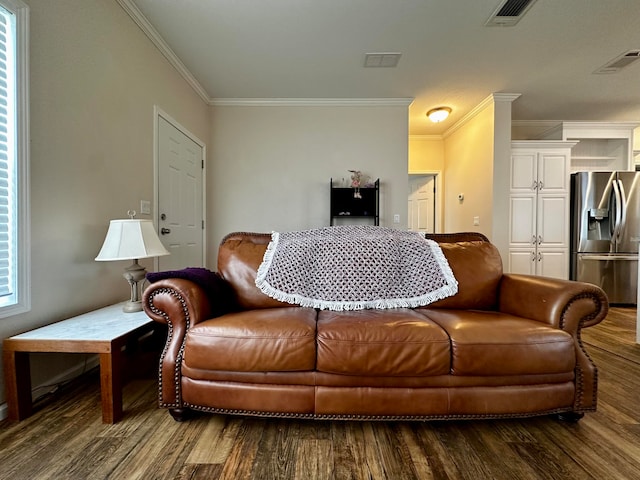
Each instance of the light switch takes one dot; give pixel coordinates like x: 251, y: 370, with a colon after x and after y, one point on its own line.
x: 145, y: 207
x: 476, y: 221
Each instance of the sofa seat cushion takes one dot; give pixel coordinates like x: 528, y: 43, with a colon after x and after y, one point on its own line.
x: 395, y: 342
x: 272, y: 339
x: 493, y: 343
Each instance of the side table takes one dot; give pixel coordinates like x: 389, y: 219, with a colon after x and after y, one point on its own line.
x: 105, y: 332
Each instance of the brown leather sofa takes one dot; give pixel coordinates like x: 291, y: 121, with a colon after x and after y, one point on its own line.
x: 504, y: 346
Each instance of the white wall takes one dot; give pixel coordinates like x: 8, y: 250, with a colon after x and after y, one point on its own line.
x: 501, y: 175
x: 477, y: 165
x: 95, y: 78
x: 272, y: 164
x: 426, y: 154
x: 469, y: 171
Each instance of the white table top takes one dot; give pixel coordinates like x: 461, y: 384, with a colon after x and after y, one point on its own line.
x: 106, y: 323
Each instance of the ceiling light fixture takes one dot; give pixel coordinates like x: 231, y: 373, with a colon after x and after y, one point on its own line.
x: 439, y: 114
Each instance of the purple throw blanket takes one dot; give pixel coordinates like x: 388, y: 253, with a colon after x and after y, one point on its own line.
x: 218, y: 291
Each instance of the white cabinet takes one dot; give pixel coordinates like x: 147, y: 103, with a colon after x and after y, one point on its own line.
x: 603, y: 146
x: 547, y: 262
x: 539, y: 208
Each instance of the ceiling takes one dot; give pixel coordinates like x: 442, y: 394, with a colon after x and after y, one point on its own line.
x: 315, y: 49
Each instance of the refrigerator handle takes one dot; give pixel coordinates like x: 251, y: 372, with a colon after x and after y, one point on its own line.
x: 618, y: 213
x: 623, y: 209
x: 607, y: 257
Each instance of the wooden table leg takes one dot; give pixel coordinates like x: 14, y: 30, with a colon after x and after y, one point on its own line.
x: 17, y: 378
x: 111, y: 385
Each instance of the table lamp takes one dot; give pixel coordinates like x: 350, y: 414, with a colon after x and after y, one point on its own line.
x: 131, y: 239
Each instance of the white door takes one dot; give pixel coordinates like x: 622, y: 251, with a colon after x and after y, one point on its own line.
x: 522, y: 261
x: 522, y: 211
x: 524, y: 172
x: 180, y: 200
x: 553, y: 224
x: 552, y: 173
x: 553, y: 263
x: 421, y: 206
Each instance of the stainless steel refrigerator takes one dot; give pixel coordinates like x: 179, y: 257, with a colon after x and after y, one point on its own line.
x: 605, y: 231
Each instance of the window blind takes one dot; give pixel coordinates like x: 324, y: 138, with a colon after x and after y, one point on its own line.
x: 7, y: 153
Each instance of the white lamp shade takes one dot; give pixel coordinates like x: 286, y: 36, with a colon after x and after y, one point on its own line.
x: 131, y: 239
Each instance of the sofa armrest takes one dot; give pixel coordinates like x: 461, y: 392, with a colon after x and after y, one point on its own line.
x: 176, y: 300
x: 564, y: 304
x: 180, y: 304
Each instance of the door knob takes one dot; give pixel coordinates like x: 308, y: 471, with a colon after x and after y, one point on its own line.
x: 165, y: 231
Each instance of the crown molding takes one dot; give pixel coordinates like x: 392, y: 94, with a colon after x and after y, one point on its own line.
x: 490, y: 100
x: 505, y: 97
x: 138, y: 17
x: 311, y: 102
x: 425, y: 137
x: 546, y: 128
x: 543, y: 143
x: 600, y: 125
x: 536, y: 123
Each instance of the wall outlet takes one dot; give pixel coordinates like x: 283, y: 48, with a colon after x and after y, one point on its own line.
x: 396, y: 218
x: 476, y: 221
x: 145, y: 207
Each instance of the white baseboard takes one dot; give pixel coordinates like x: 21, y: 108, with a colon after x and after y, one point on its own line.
x: 50, y: 384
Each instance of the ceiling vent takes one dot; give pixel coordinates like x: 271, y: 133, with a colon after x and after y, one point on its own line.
x: 381, y: 60
x: 621, y: 61
x: 509, y: 12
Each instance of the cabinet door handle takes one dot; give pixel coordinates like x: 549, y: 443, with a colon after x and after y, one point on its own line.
x: 533, y: 240
x: 539, y: 257
x: 540, y: 185
x: 539, y: 239
x: 533, y: 256
x: 535, y: 185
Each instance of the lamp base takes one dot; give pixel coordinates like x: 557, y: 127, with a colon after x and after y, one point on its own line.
x: 131, y: 307
x: 135, y: 274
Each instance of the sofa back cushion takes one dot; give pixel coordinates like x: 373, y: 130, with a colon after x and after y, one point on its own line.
x: 239, y: 257
x: 477, y: 266
x: 475, y: 263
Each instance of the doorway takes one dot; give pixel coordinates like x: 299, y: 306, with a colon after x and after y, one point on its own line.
x: 180, y: 199
x: 422, y: 203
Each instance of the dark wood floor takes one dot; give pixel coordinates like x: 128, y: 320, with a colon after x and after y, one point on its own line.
x: 65, y: 439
